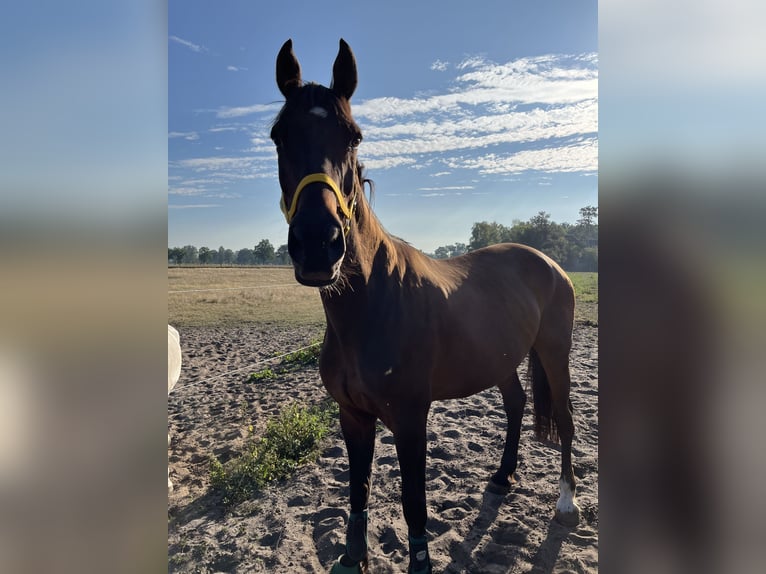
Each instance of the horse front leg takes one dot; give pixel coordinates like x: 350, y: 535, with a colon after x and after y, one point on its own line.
x: 359, y: 434
x: 410, y: 438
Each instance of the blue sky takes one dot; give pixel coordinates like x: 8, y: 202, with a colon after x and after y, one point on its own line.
x: 470, y: 111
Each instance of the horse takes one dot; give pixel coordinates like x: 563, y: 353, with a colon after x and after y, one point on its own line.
x: 403, y: 329
x: 174, y: 371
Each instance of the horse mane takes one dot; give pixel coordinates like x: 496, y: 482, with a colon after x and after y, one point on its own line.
x: 387, y: 251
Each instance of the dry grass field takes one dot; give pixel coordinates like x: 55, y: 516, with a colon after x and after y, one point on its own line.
x: 226, y: 296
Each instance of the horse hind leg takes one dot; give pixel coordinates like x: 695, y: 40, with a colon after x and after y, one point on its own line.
x: 514, y: 399
x: 549, y: 367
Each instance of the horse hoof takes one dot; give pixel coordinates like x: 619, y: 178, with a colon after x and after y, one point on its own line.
x: 340, y: 568
x: 568, y: 519
x: 498, y: 488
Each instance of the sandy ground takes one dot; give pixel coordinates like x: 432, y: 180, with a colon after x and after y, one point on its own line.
x: 299, y: 525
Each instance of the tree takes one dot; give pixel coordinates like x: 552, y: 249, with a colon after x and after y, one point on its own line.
x: 450, y: 250
x: 484, y: 233
x: 205, y: 255
x: 263, y: 254
x: 221, y: 255
x: 176, y: 255
x: 587, y: 215
x: 189, y: 255
x: 245, y: 256
x: 282, y: 256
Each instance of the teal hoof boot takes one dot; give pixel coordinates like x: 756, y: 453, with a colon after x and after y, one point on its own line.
x: 420, y: 561
x: 340, y: 568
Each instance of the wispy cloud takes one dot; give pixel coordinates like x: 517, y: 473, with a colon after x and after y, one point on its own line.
x: 530, y: 114
x: 239, y: 111
x: 492, y: 110
x: 216, y: 163
x: 187, y: 44
x: 191, y: 136
x: 235, y: 68
x: 194, y: 206
x: 471, y: 62
x: 581, y: 156
x: 446, y: 188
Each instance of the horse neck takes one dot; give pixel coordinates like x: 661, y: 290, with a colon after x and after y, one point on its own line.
x: 372, y: 258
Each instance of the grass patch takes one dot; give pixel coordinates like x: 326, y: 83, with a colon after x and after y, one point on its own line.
x: 586, y: 297
x: 291, y: 439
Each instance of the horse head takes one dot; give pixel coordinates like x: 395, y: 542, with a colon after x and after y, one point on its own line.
x: 316, y: 139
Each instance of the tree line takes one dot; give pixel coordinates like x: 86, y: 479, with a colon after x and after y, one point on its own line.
x: 573, y: 246
x: 262, y: 254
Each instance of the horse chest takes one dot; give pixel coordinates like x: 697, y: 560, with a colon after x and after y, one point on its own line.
x: 374, y: 379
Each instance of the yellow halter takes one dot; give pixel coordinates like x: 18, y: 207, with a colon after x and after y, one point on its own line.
x: 318, y: 178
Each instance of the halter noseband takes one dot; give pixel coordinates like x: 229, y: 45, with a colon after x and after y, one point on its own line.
x: 343, y: 207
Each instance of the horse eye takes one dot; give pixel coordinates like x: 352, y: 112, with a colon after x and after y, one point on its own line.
x: 355, y: 142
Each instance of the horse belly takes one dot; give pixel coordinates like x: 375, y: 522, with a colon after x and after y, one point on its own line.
x: 480, y: 356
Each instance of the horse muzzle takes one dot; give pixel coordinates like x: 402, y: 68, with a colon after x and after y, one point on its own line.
x: 317, y: 252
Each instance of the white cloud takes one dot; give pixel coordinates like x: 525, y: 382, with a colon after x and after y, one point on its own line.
x: 195, y: 206
x: 546, y: 80
x: 235, y: 68
x: 491, y: 110
x: 185, y: 190
x: 239, y: 111
x: 480, y: 132
x: 191, y: 136
x: 186, y: 43
x: 446, y: 188
x: 216, y: 163
x: 387, y: 162
x: 472, y: 62
x: 576, y: 157
x: 538, y: 114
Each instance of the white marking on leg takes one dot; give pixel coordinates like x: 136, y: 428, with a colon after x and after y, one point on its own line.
x: 318, y: 111
x: 566, y: 502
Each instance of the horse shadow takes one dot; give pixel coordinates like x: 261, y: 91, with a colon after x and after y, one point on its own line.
x: 513, y: 539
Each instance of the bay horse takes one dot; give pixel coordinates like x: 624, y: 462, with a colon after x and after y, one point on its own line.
x: 404, y: 330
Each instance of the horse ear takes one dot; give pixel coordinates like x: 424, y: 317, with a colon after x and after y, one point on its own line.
x: 344, y: 76
x: 288, y: 70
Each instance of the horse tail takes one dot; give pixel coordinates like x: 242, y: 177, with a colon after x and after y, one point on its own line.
x: 545, y: 426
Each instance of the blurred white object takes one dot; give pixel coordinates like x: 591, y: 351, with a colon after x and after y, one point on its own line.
x: 174, y: 371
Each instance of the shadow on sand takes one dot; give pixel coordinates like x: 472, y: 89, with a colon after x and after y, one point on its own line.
x: 512, y: 538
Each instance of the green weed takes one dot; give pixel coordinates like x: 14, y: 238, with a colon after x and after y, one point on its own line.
x: 264, y: 375
x: 308, y: 357
x: 291, y: 439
